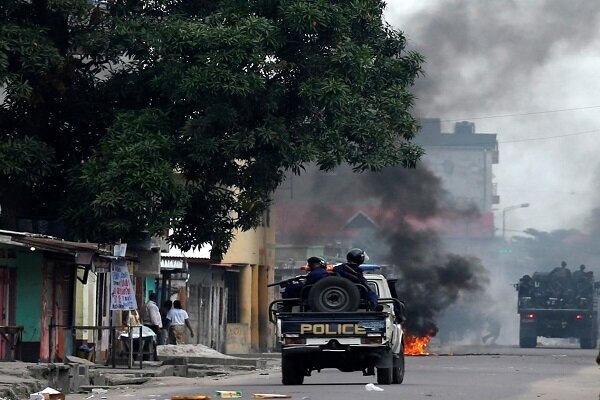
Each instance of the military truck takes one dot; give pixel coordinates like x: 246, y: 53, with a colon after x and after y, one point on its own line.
x: 556, y: 305
x: 331, y: 325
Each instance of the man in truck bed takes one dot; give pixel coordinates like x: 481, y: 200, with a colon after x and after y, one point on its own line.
x: 351, y: 270
x: 317, y: 270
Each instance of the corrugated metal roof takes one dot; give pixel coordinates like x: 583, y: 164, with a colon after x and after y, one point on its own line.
x: 7, y: 240
x: 47, y: 243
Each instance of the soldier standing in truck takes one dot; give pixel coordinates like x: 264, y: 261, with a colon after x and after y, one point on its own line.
x: 351, y: 270
x: 579, y: 275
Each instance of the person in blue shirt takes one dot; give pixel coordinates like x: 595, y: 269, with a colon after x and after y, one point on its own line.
x: 317, y: 270
x: 351, y: 270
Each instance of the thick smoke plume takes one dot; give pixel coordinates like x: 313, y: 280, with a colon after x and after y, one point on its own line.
x: 404, y: 204
x: 431, y: 288
x: 430, y: 279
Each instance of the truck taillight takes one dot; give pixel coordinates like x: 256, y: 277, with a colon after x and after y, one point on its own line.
x: 579, y: 316
x: 371, y: 340
x: 293, y: 340
x: 527, y: 316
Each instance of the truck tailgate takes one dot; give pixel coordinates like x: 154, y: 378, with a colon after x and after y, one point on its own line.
x: 313, y: 324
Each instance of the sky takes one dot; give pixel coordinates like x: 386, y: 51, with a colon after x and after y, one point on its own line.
x: 492, y: 58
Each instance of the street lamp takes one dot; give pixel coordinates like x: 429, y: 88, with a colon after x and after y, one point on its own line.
x: 509, y: 208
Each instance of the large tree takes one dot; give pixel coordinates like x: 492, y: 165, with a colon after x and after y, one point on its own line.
x: 129, y: 116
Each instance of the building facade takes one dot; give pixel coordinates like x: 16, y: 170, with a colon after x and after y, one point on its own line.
x: 463, y: 159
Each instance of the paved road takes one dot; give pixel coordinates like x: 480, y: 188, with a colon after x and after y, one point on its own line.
x: 504, y: 373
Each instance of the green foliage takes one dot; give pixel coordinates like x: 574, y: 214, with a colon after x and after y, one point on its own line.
x: 185, y: 114
x: 25, y: 160
x: 130, y: 174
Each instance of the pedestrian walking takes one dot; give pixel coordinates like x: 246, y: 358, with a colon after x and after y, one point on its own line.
x: 179, y: 320
x: 152, y: 320
x: 164, y: 332
x: 152, y: 317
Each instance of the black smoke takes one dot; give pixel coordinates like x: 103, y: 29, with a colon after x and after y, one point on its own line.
x: 431, y: 280
x: 402, y: 202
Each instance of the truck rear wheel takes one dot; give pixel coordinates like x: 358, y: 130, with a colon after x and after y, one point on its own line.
x: 588, y: 342
x: 334, y: 294
x: 385, y: 376
x: 398, y: 370
x: 292, y: 370
x: 527, y: 342
x: 528, y: 334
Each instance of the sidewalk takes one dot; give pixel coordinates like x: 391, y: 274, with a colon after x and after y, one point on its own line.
x: 199, y: 354
x: 19, y: 379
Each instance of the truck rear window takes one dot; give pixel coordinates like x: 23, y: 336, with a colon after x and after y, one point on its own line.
x: 374, y: 287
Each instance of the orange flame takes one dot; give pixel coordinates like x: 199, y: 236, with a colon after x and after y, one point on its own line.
x: 415, y: 345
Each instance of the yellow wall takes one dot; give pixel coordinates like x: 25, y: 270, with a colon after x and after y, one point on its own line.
x: 237, y: 339
x: 254, y: 249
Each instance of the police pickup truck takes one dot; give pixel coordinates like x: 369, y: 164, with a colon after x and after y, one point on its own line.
x: 331, y: 325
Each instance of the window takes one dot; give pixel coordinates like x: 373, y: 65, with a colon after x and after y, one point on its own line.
x: 373, y: 287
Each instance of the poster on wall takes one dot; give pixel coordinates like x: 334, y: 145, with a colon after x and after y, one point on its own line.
x: 122, y: 293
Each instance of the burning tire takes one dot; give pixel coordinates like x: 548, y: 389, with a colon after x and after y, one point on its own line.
x: 334, y: 294
x: 292, y: 371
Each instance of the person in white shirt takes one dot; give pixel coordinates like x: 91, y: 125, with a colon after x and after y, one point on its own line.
x: 179, y: 321
x: 152, y: 315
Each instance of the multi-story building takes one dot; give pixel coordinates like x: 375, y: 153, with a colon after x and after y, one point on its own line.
x: 463, y: 160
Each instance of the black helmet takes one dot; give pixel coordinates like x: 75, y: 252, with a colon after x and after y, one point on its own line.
x: 356, y: 256
x: 317, y: 260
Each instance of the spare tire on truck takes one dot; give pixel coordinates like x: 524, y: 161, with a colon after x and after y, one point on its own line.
x: 334, y: 294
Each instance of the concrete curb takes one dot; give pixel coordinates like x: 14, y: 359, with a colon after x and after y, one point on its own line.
x: 255, y: 362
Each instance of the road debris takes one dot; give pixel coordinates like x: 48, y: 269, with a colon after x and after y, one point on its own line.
x: 47, y: 394
x: 229, y: 394
x: 372, y: 388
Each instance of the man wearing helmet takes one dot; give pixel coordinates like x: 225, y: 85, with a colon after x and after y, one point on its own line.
x: 351, y: 270
x: 317, y: 270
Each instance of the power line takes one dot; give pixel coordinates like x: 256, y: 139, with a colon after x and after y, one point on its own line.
x: 515, y: 114
x: 549, y: 137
